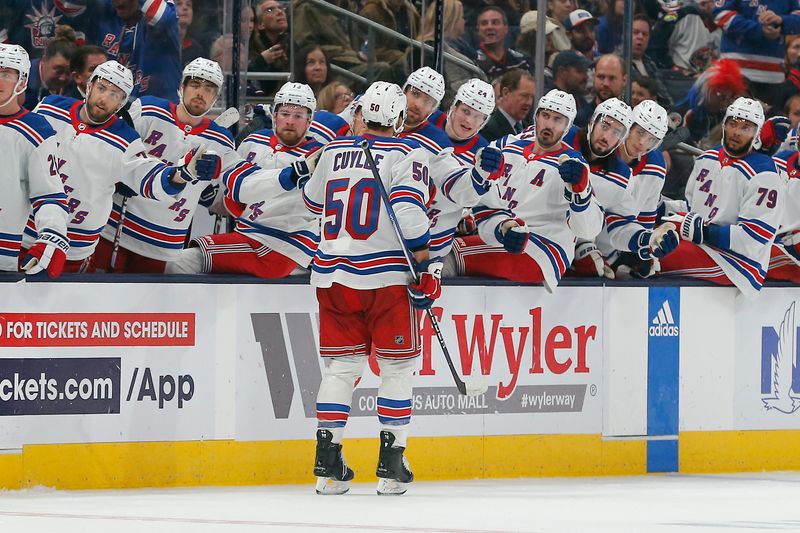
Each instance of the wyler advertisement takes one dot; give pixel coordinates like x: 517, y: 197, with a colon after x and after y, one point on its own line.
x: 95, y: 365
x: 539, y: 354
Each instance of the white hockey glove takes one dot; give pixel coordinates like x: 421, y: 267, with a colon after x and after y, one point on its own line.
x: 589, y: 261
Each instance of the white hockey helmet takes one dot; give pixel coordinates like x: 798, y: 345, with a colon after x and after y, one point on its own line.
x: 293, y: 93
x: 652, y: 117
x: 616, y: 109
x: 384, y: 103
x: 428, y: 81
x: 749, y: 110
x: 115, y: 73
x: 16, y: 58
x: 477, y: 94
x: 559, y: 102
x: 204, y: 69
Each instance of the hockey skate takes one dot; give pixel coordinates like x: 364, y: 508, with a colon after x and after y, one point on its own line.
x: 333, y: 474
x: 394, y: 473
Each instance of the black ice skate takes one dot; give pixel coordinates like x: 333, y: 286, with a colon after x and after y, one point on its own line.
x: 394, y: 473
x: 333, y: 474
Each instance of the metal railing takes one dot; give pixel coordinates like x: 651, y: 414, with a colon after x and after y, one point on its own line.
x: 374, y: 26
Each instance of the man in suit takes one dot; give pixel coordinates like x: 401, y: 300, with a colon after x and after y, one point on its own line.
x: 517, y: 90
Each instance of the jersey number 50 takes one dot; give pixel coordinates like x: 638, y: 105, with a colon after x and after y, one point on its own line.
x: 359, y: 211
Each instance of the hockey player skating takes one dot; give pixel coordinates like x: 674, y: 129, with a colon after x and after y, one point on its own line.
x: 550, y: 201
x: 97, y: 149
x: 27, y: 178
x: 735, y: 200
x: 274, y: 234
x: 362, y: 282
x: 154, y: 233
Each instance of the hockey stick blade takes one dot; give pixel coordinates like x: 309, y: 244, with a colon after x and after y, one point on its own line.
x: 228, y: 118
x: 473, y: 389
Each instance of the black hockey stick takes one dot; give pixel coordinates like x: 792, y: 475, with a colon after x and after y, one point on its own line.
x: 473, y: 388
x: 126, y: 193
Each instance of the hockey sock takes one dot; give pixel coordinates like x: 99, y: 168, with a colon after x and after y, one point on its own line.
x: 394, y: 397
x: 336, y: 393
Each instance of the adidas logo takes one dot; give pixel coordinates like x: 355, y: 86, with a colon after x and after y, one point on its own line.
x: 663, y: 324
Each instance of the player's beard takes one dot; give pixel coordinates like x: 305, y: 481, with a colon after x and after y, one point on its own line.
x: 546, y: 142
x: 96, y: 115
x: 289, y: 138
x: 196, y: 108
x: 733, y: 152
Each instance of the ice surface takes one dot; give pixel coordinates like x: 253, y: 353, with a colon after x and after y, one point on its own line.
x: 656, y: 503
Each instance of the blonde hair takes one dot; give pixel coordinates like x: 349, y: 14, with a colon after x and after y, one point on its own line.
x: 453, y: 13
x: 326, y: 99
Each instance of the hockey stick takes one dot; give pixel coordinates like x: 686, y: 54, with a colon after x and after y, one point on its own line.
x: 126, y: 193
x: 226, y: 119
x: 475, y: 387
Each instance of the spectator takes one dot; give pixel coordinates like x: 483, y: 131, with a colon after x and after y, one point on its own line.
x: 145, y: 38
x: 83, y: 63
x: 340, y: 39
x: 571, y: 74
x: 580, y: 26
x: 609, y: 82
x: 792, y: 110
x: 51, y: 74
x: 269, y: 45
x: 705, y: 105
x: 455, y: 75
x: 398, y: 15
x: 526, y: 43
x: 517, y: 90
x: 335, y: 97
x: 644, y: 65
x: 687, y: 39
x: 513, y: 10
x: 752, y: 35
x: 494, y: 57
x: 643, y: 88
x: 222, y: 47
x: 190, y: 49
x: 791, y: 67
x: 33, y: 24
x: 557, y: 13
x: 609, y: 28
x: 311, y: 68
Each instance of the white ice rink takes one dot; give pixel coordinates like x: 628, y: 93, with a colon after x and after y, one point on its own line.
x: 691, y: 503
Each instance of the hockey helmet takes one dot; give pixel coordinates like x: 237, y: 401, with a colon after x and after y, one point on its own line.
x: 117, y: 74
x: 746, y: 109
x: 204, y: 69
x: 478, y: 95
x: 384, y: 103
x: 293, y: 93
x: 562, y: 103
x: 15, y: 57
x: 619, y: 111
x: 428, y: 81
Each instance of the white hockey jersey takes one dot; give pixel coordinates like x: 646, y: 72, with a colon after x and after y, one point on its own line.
x: 358, y: 247
x: 91, y: 160
x: 158, y: 229
x: 745, y: 198
x: 636, y: 209
x: 534, y: 190
x: 451, y: 173
x: 274, y: 218
x: 30, y: 181
x: 788, y: 164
